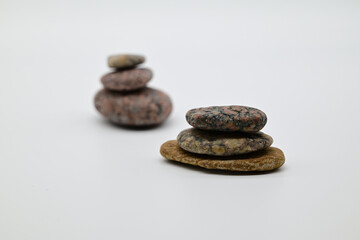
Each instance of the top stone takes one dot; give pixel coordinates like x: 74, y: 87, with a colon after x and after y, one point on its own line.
x: 227, y: 118
x: 125, y: 61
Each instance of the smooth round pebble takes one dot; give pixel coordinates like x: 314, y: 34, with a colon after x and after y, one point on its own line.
x: 222, y: 143
x: 227, y: 118
x: 265, y: 160
x: 145, y: 107
x: 127, y: 80
x: 125, y: 60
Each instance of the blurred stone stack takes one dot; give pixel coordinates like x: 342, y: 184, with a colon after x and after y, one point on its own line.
x: 227, y: 138
x: 126, y: 100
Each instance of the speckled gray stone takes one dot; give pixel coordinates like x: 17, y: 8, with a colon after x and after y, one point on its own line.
x: 222, y: 143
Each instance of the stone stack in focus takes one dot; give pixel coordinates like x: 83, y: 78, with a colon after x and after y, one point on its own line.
x: 126, y: 100
x: 227, y: 138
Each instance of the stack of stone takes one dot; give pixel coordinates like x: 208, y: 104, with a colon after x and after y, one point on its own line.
x: 227, y: 138
x: 126, y: 100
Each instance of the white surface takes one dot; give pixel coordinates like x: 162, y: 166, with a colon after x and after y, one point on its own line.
x: 67, y: 174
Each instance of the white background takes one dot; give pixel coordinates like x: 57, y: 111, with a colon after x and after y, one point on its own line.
x: 65, y: 173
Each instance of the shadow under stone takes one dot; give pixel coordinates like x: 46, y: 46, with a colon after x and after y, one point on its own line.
x: 131, y: 128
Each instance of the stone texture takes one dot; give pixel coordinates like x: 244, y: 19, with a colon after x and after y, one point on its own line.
x: 227, y: 118
x: 222, y: 143
x: 145, y: 107
x: 127, y: 80
x: 265, y: 160
x: 125, y: 60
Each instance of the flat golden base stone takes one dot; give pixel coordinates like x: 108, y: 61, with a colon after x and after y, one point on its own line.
x: 264, y: 160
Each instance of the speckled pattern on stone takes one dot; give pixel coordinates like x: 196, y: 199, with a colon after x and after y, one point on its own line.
x: 222, y: 143
x: 144, y: 107
x: 125, y: 60
x: 227, y: 118
x: 265, y: 160
x: 127, y: 80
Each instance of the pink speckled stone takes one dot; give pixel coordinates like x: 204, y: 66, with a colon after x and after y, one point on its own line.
x: 227, y: 118
x: 144, y: 107
x: 127, y: 80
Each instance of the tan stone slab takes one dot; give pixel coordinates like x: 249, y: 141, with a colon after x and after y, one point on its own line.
x: 265, y: 160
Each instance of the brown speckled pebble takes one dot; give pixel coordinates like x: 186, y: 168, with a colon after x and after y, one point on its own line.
x: 265, y: 160
x: 222, y: 143
x: 125, y: 60
x: 127, y: 80
x: 145, y: 107
x: 227, y: 118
